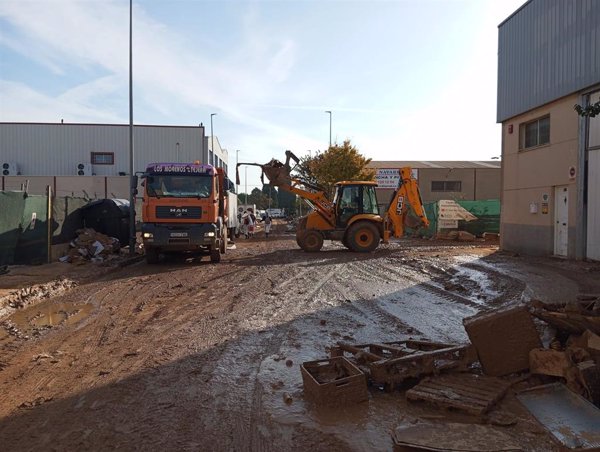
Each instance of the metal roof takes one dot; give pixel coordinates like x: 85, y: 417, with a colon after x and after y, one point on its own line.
x: 447, y: 164
x: 547, y: 49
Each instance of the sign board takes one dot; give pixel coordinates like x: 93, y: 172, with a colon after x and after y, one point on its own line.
x: 389, y: 177
x: 451, y: 210
x: 447, y: 224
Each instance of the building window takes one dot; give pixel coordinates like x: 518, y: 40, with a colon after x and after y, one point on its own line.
x: 103, y: 158
x: 446, y: 185
x: 210, y: 157
x: 535, y: 133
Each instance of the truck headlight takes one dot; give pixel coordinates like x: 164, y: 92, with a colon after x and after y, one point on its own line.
x: 148, y: 235
x: 209, y: 234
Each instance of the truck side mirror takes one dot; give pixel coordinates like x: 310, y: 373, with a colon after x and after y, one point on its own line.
x: 134, y: 181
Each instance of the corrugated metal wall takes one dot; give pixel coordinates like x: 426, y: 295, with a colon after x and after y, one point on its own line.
x: 546, y: 50
x: 56, y: 149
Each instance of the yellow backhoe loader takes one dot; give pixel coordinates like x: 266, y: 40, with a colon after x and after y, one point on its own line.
x: 353, y: 216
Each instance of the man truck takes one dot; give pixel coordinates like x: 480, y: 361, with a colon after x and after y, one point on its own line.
x: 184, y: 210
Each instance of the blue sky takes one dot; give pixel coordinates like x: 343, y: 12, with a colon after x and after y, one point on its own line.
x: 405, y: 80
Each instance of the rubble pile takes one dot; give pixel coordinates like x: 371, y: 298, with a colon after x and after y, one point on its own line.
x: 506, y: 358
x: 91, y: 246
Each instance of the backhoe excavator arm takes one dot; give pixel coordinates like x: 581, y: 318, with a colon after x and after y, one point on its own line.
x: 406, y: 198
x: 279, y: 175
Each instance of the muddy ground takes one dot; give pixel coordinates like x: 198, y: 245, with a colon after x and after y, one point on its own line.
x: 191, y: 355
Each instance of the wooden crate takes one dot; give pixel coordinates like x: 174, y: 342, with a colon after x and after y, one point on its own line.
x: 334, y: 381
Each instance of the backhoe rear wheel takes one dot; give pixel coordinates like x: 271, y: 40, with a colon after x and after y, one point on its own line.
x: 311, y: 241
x: 363, y: 237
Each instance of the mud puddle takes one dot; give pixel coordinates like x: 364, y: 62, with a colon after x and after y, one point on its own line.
x: 34, y: 320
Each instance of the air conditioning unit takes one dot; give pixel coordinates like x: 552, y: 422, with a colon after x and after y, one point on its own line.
x: 84, y: 169
x: 9, y: 169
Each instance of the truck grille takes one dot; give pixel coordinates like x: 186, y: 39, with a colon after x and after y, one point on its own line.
x: 179, y: 241
x: 178, y: 212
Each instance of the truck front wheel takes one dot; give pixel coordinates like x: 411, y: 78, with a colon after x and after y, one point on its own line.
x: 151, y: 256
x: 215, y: 254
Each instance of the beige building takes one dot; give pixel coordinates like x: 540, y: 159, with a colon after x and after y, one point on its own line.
x: 456, y: 180
x: 550, y: 154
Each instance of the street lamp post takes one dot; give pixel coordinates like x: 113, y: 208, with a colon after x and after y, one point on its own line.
x: 212, y: 138
x: 246, y: 183
x: 132, y: 184
x: 328, y: 111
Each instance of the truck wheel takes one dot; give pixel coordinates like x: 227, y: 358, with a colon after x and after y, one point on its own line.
x: 311, y: 241
x: 215, y: 254
x: 363, y: 237
x: 151, y: 255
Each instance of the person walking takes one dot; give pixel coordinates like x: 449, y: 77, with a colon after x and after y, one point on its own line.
x: 268, y: 222
x: 251, y: 223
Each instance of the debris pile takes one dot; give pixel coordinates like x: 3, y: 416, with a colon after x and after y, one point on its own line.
x: 91, y: 246
x: 505, y: 357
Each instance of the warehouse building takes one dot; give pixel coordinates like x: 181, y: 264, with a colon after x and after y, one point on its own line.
x: 548, y: 61
x: 438, y: 180
x: 92, y: 160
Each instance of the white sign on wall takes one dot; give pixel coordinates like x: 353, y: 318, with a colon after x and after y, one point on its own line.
x: 389, y: 177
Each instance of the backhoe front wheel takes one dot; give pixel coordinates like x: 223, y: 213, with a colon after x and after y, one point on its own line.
x: 311, y: 241
x: 363, y: 237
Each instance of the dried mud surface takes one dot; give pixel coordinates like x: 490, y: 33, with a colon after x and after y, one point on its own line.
x: 191, y: 355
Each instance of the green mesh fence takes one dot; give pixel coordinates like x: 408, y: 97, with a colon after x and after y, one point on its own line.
x: 12, y: 205
x: 487, y: 213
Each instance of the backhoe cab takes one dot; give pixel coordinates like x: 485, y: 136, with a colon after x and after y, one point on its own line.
x: 353, y: 217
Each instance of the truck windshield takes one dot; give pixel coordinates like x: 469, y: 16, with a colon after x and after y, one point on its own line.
x: 179, y: 186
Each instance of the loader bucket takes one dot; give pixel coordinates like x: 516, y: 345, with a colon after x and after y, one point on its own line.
x: 277, y: 173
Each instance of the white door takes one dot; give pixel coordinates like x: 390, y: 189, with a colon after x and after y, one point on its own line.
x: 561, y: 221
x: 593, y: 202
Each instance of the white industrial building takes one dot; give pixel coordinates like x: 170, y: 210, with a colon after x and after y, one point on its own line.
x: 62, y: 155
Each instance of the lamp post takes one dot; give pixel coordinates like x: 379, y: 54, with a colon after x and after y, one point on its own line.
x: 237, y: 160
x: 246, y: 183
x: 212, y: 138
x: 328, y: 111
x: 132, y: 184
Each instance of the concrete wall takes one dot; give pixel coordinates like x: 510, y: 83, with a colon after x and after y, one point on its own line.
x: 92, y: 187
x: 530, y: 174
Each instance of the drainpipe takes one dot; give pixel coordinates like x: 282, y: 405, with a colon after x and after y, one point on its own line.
x: 581, y: 211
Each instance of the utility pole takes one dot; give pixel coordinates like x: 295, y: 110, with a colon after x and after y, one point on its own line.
x: 246, y: 183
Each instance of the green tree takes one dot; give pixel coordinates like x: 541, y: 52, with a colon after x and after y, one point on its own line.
x: 338, y: 163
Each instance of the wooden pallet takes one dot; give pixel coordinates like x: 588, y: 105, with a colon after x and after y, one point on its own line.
x: 391, y: 363
x: 465, y: 392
